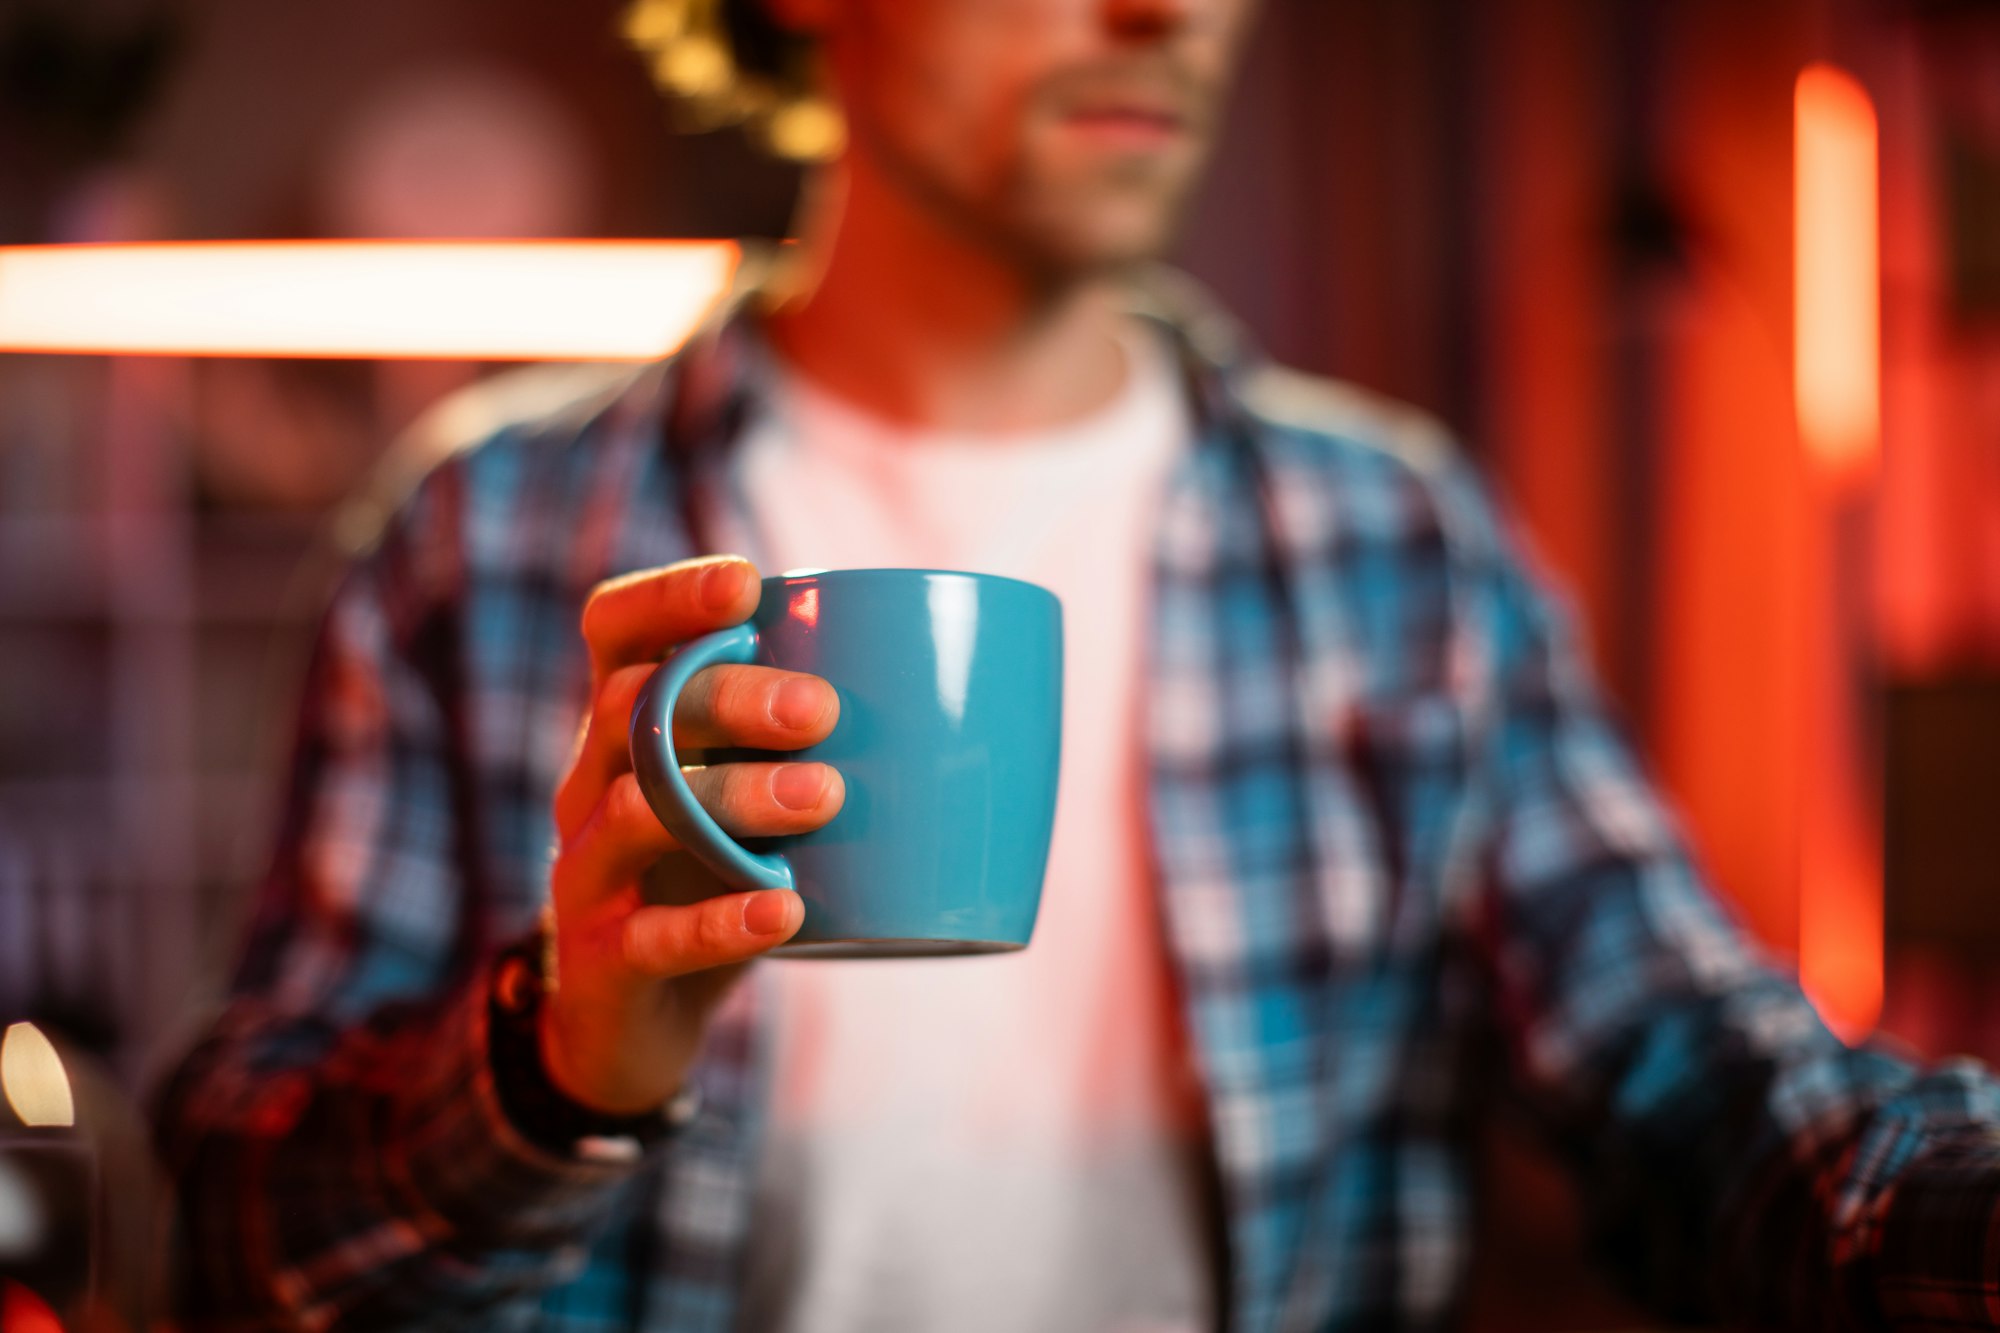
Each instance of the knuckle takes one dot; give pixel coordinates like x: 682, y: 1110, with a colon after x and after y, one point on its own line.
x: 698, y: 699
x: 648, y: 943
x: 622, y: 600
x: 716, y: 928
x: 618, y: 695
x: 621, y: 687
x: 701, y: 781
x: 745, y: 796
x: 711, y: 788
x: 565, y: 805
x: 597, y: 609
x: 626, y: 809
x: 678, y: 589
x: 738, y: 699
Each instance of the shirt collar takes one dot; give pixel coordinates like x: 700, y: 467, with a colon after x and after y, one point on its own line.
x: 721, y: 372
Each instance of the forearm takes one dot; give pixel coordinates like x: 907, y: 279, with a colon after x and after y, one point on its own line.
x: 1921, y: 1206
x: 382, y: 1182
x: 1741, y: 1161
x: 1736, y: 1157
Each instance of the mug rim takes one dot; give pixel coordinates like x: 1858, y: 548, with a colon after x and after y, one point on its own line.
x: 805, y: 576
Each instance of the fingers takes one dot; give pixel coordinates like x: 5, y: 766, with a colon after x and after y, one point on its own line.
x: 673, y: 941
x: 760, y: 708
x: 628, y: 623
x: 638, y: 617
x: 603, y: 751
x: 754, y: 707
x: 768, y: 800
x: 622, y: 837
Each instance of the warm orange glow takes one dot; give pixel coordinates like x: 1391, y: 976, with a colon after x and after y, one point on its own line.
x: 1840, y: 809
x: 1840, y: 817
x: 1840, y: 935
x: 1838, y: 373
x: 1838, y: 391
x: 474, y: 300
x: 805, y: 607
x: 22, y: 1311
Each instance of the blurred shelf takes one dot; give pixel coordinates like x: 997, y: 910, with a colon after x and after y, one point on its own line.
x: 152, y: 628
x: 226, y: 569
x: 95, y: 786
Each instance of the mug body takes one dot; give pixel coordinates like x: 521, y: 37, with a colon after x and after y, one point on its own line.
x: 949, y: 741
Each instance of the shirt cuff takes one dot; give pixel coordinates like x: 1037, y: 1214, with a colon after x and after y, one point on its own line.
x: 1938, y: 1261
x: 472, y: 1165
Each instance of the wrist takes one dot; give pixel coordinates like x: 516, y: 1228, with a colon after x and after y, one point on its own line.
x: 566, y: 1060
x: 534, y: 1095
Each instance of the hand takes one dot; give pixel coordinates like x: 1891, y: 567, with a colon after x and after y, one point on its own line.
x: 647, y: 940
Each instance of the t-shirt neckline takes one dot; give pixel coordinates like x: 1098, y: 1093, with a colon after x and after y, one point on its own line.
x: 843, y: 426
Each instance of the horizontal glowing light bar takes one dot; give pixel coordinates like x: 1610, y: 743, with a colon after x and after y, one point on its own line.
x: 459, y: 300
x: 1838, y: 273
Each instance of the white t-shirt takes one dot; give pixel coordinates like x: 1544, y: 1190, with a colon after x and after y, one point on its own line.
x: 1010, y: 1142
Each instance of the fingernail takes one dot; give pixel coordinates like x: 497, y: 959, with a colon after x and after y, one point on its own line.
x: 799, y: 786
x: 721, y: 584
x: 767, y: 913
x: 797, y: 703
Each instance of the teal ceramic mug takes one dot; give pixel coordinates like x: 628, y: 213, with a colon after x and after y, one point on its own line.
x: 948, y: 741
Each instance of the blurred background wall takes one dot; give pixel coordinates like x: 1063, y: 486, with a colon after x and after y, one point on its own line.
x: 1564, y: 226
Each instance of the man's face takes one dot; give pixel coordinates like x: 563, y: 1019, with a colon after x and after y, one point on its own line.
x: 1065, y: 133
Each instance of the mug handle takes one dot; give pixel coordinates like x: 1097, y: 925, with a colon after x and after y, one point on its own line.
x: 658, y: 767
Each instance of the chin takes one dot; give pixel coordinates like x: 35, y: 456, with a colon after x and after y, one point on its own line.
x: 1099, y: 241
x: 1088, y: 222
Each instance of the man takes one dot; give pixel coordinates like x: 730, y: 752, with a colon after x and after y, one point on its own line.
x: 1340, y: 817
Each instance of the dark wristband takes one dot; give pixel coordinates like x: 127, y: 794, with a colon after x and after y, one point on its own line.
x: 542, y: 1113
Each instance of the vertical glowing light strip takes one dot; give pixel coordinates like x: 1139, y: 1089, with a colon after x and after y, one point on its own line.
x: 1837, y: 385
x: 1838, y: 275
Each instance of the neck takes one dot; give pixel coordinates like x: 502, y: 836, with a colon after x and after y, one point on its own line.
x: 917, y: 322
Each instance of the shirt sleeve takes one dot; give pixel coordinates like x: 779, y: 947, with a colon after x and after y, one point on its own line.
x: 336, y: 1138
x: 1736, y: 1157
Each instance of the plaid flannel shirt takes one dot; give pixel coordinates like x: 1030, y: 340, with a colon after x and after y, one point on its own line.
x: 1408, y: 871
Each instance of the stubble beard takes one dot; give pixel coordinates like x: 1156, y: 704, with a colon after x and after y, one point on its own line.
x: 1041, y: 228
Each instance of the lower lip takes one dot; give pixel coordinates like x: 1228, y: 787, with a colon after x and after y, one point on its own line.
x: 1124, y: 132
